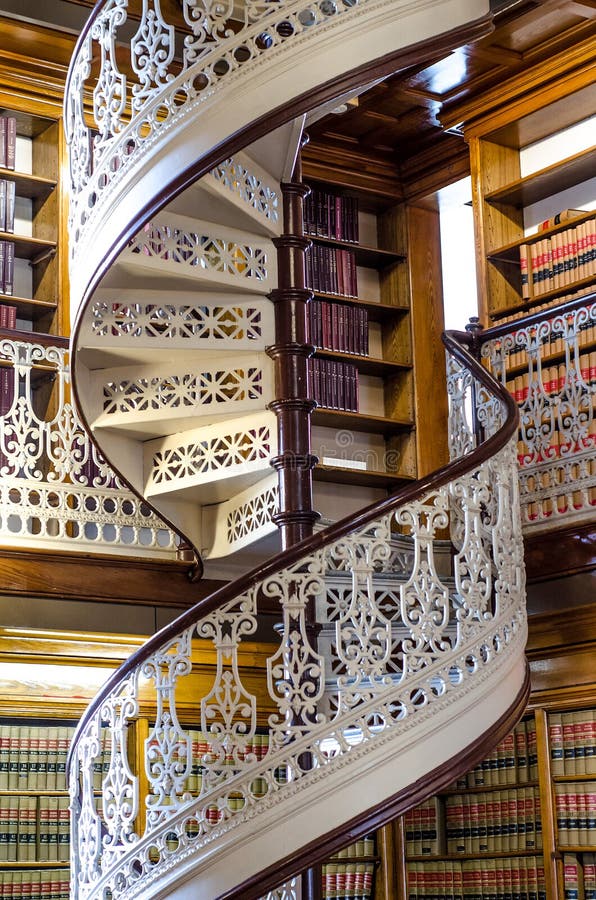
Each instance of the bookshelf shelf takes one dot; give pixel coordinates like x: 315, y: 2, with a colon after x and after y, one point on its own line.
x: 461, y: 857
x: 31, y: 248
x: 487, y: 788
x: 335, y: 418
x: 509, y: 253
x: 33, y: 864
x: 390, y: 481
x: 32, y: 187
x: 571, y: 779
x: 370, y: 257
x: 528, y: 305
x: 549, y: 180
x: 377, y: 311
x: 367, y: 365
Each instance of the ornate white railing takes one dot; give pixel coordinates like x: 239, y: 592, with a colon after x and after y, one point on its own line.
x: 403, y: 644
x: 548, y: 363
x: 55, y: 489
x: 172, y: 69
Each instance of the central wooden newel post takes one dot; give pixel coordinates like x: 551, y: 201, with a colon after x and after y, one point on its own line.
x: 293, y: 405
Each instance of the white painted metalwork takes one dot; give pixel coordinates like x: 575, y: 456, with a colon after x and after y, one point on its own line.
x: 183, y: 247
x: 56, y: 490
x: 150, y: 318
x: 232, y: 451
x: 413, y: 647
x: 246, y: 518
x: 550, y: 368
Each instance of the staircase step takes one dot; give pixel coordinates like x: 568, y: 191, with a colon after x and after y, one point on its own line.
x: 157, y: 399
x: 140, y: 326
x: 173, y: 251
x: 238, y: 193
x: 212, y: 463
x: 245, y: 519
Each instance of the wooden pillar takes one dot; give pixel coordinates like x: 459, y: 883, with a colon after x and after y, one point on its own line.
x: 293, y: 405
x: 290, y: 353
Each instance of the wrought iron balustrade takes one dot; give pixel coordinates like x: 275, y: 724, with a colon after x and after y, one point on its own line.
x: 547, y: 361
x: 55, y: 489
x: 409, y: 643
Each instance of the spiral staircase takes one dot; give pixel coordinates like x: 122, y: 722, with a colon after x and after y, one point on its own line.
x: 388, y: 669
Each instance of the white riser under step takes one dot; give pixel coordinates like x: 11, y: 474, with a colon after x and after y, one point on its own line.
x: 159, y: 399
x: 213, y: 463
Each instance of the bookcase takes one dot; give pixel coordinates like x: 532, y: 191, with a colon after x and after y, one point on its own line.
x: 362, y: 373
x: 518, y: 272
x: 31, y: 239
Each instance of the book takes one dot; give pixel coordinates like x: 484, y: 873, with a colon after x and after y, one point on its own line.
x: 560, y: 217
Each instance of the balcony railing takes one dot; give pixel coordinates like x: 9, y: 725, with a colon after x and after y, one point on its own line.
x: 547, y: 361
x: 55, y: 489
x: 403, y: 648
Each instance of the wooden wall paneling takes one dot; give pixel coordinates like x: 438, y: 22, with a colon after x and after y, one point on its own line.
x: 546, y: 806
x: 495, y: 225
x: 389, y: 874
x: 105, y: 579
x: 430, y: 394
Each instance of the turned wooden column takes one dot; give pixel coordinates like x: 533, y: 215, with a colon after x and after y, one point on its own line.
x: 293, y: 405
x: 290, y: 353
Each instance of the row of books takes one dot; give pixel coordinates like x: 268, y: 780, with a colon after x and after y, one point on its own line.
x: 540, y: 307
x: 34, y: 884
x: 8, y: 316
x: 493, y: 821
x: 7, y: 205
x: 34, y: 829
x: 334, y: 385
x: 8, y: 142
x: 575, y: 808
x: 34, y: 758
x: 331, y: 270
x: 513, y: 761
x: 364, y: 847
x: 572, y: 740
x: 7, y: 267
x: 332, y: 216
x: 579, y: 876
x: 521, y: 878
x: 348, y: 881
x: 335, y: 326
x: 424, y: 829
x: 561, y: 485
x: 557, y: 261
x: 554, y: 378
x: 553, y: 344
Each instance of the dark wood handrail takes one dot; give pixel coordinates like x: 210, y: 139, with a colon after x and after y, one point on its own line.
x: 455, y: 343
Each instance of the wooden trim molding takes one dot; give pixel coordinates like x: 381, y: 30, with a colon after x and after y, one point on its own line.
x: 101, y: 578
x: 563, y: 551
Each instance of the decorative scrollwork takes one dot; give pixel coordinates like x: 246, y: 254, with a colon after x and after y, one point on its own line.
x: 555, y: 389
x: 55, y: 486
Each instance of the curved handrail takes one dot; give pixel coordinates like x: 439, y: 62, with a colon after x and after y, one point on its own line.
x: 362, y: 680
x: 410, y: 492
x: 139, y: 105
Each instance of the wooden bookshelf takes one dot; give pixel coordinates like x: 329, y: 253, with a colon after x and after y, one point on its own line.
x: 41, y: 282
x: 501, y: 193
